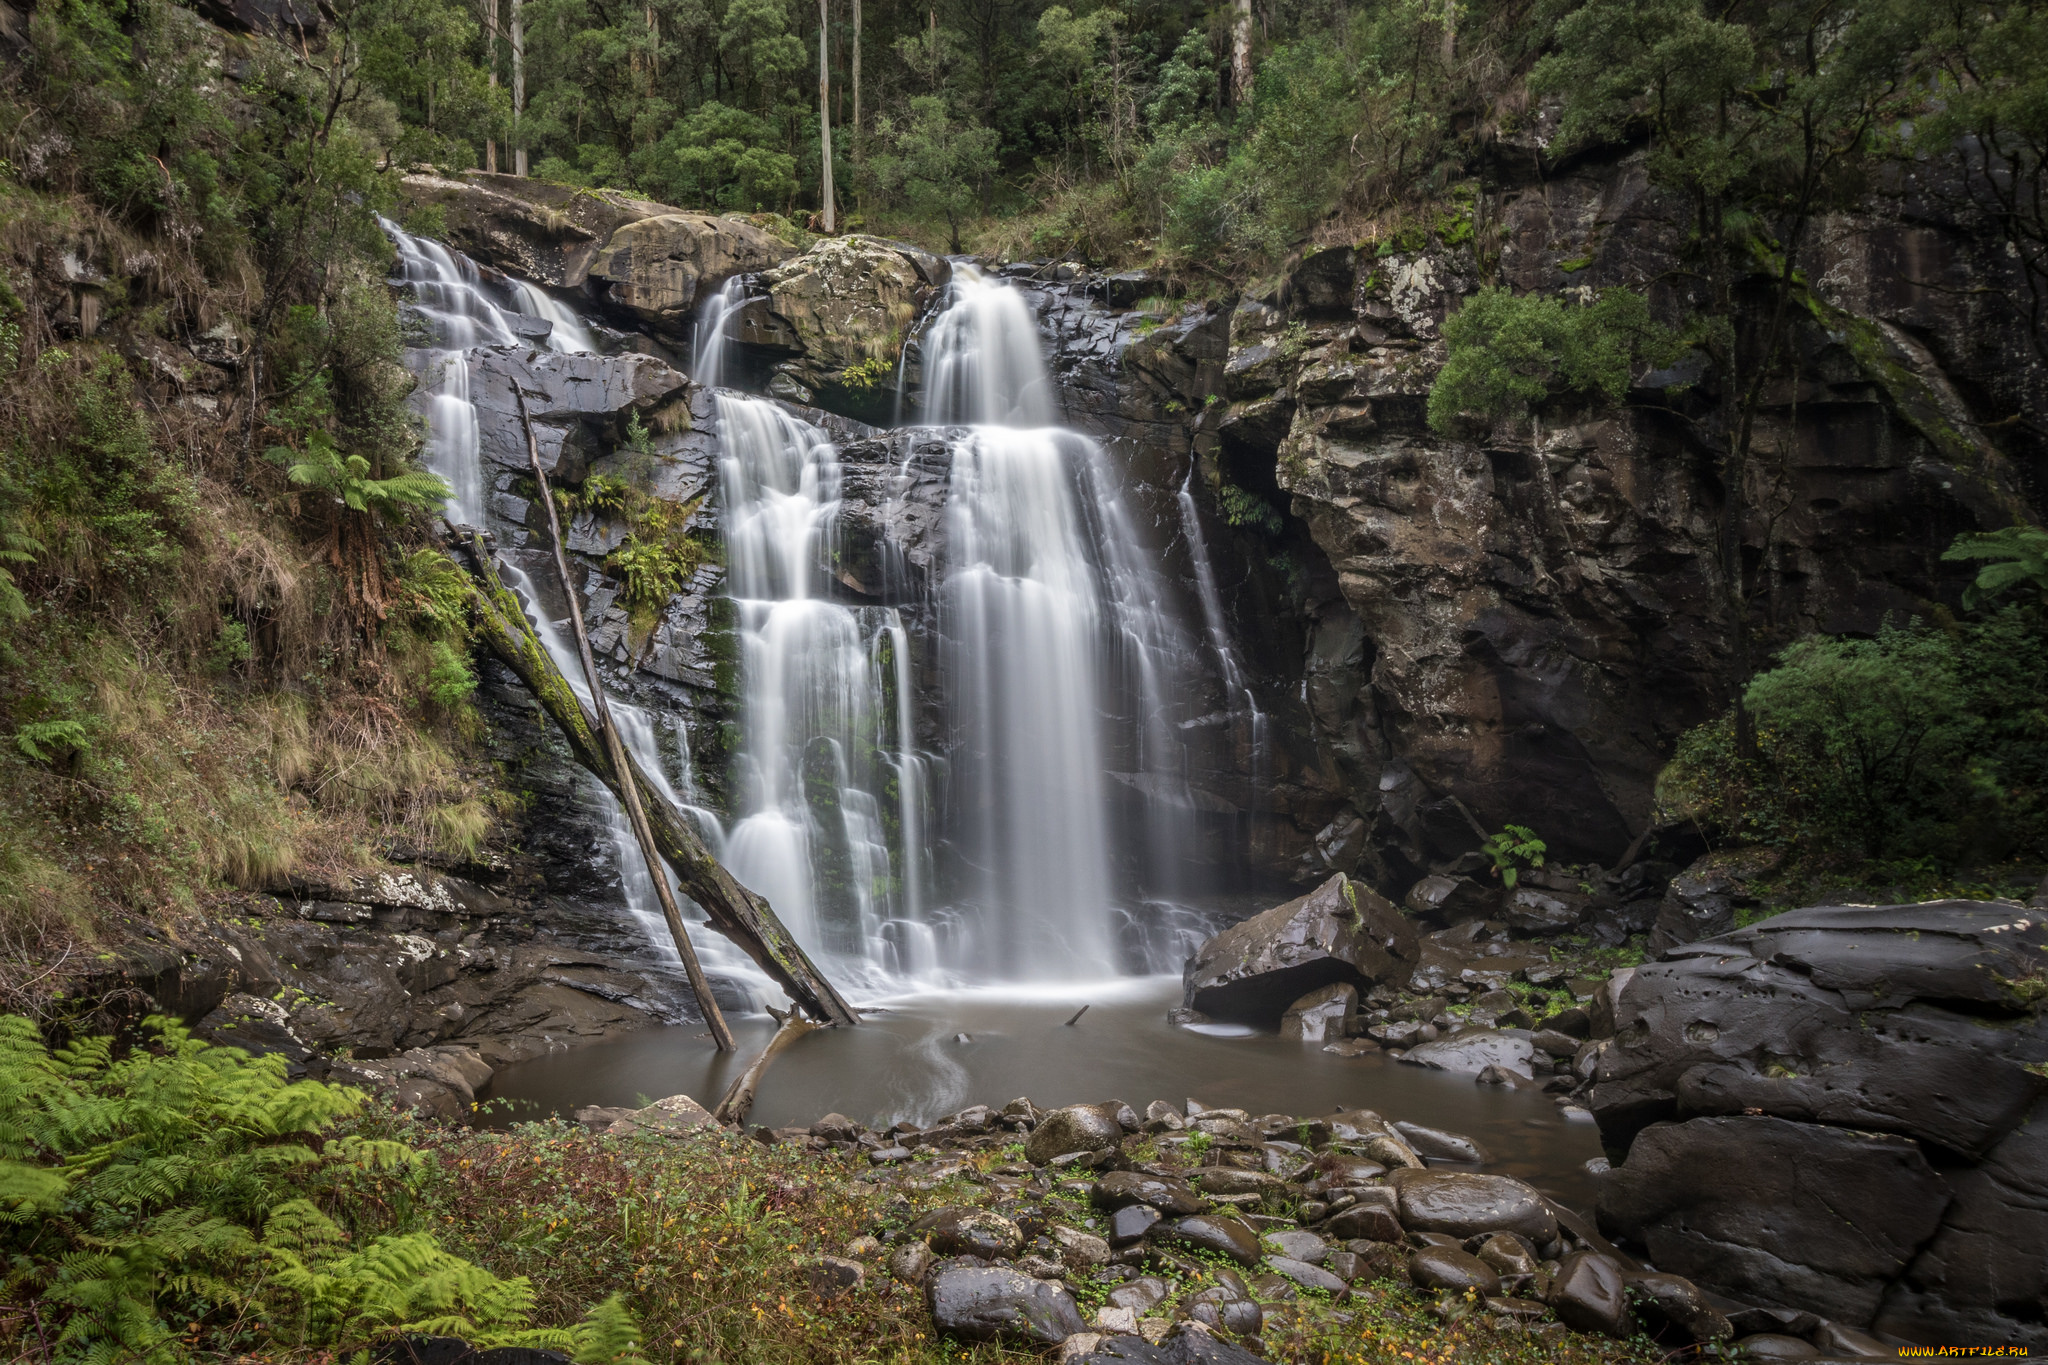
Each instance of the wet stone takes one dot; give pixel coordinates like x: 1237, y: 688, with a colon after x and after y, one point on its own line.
x: 1300, y: 1245
x: 1227, y: 1236
x: 962, y: 1231
x: 1130, y: 1223
x: 1587, y: 1295
x: 1306, y: 1275
x: 1078, y: 1128
x: 994, y: 1303
x: 1118, y: 1189
x: 1452, y: 1269
x: 1141, y: 1295
x: 1463, y: 1204
x: 1771, y: 1346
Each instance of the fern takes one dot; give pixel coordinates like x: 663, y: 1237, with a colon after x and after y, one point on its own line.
x: 172, y: 1185
x: 2018, y: 556
x: 324, y: 467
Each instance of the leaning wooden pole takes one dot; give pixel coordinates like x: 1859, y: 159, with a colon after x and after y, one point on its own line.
x: 615, y: 749
x: 741, y: 915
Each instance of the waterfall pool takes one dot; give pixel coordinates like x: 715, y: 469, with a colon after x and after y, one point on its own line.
x: 907, y: 1061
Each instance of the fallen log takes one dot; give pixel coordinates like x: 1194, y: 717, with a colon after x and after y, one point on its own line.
x: 740, y: 1097
x: 615, y: 750
x: 742, y: 916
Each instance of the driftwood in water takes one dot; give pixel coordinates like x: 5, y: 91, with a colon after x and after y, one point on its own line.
x: 739, y: 914
x: 740, y: 1098
x: 615, y: 750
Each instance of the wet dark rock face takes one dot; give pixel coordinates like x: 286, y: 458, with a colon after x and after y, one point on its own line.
x: 1886, y: 1060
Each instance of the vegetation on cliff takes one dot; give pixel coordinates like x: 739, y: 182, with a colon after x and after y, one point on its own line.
x: 229, y: 657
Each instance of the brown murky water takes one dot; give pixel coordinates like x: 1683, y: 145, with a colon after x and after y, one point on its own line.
x: 910, y: 1061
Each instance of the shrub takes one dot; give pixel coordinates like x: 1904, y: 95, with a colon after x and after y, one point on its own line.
x: 1509, y: 351
x: 1919, y: 743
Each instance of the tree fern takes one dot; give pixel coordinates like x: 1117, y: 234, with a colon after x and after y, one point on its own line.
x: 2018, y: 556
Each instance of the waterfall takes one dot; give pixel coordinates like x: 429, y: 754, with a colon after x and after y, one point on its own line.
x: 1236, y: 686
x: 1038, y: 838
x: 1063, y: 658
x: 454, y: 303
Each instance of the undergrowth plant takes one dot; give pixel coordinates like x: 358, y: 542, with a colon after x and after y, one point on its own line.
x: 176, y: 1200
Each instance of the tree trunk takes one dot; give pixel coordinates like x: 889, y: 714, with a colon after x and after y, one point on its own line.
x: 629, y: 795
x: 518, y: 88
x: 1241, y: 54
x: 856, y: 92
x: 825, y: 195
x: 491, y: 66
x: 742, y: 916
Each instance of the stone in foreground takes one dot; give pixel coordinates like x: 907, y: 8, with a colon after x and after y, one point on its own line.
x: 994, y: 1303
x: 1465, y: 1204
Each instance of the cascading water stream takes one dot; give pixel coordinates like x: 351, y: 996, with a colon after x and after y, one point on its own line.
x: 453, y: 300
x: 1063, y: 659
x: 1235, y: 684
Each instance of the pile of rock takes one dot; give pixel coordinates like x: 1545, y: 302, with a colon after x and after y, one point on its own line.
x: 1202, y: 1228
x: 1341, y: 966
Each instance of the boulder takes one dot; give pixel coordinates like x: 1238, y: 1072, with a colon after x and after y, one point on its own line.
x: 580, y: 404
x: 1306, y: 1275
x: 1464, y: 1204
x: 1534, y: 910
x: 1444, y: 899
x: 1118, y: 1189
x: 671, y: 1117
x: 1841, y: 1024
x: 995, y: 1303
x: 1508, y: 1254
x: 1678, y: 1303
x: 1130, y: 1224
x: 1752, y: 1207
x: 1452, y: 1269
x: 1508, y: 1050
x: 1076, y: 1128
x: 1701, y: 901
x: 960, y: 1230
x: 910, y: 1262
x: 1371, y: 1222
x: 836, y: 317
x: 1438, y: 1145
x: 1298, y: 1245
x: 1587, y: 1293
x: 1323, y: 1014
x: 1342, y: 931
x: 1214, y: 1232
x: 656, y: 270
x: 1774, y: 1346
x: 531, y: 228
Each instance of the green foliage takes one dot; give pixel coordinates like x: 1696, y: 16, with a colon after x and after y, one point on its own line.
x: 868, y: 375
x: 1515, y: 847
x: 935, y: 161
x: 46, y: 741
x: 179, y: 1184
x: 723, y: 156
x: 323, y: 467
x: 1920, y: 743
x: 1248, y: 511
x: 2018, y: 557
x: 1508, y: 351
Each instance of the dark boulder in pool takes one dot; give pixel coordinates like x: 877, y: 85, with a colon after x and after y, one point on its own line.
x: 995, y: 1303
x: 1343, y: 931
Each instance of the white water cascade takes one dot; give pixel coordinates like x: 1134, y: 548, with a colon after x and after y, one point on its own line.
x: 1036, y: 838
x: 457, y: 307
x: 1063, y: 660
